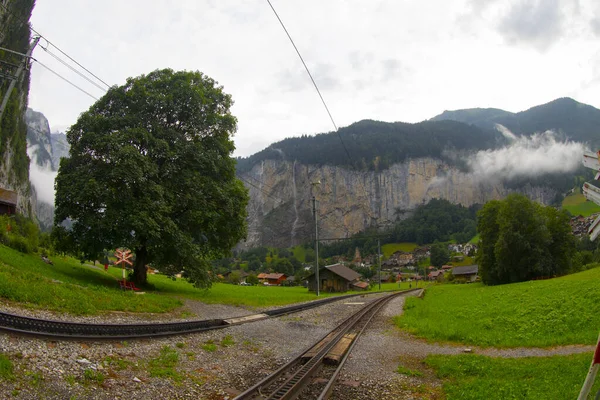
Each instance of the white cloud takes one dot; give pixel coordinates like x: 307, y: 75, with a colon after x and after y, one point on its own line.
x: 390, y: 61
x: 42, y: 178
x: 527, y: 156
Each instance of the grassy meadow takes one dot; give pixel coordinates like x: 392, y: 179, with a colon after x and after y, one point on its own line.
x: 544, y: 313
x: 472, y: 376
x: 388, y: 249
x: 577, y: 204
x: 70, y: 287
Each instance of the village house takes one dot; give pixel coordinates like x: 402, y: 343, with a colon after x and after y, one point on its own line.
x: 275, y: 279
x: 469, y: 272
x: 334, y: 278
x: 436, y: 275
x: 8, y: 202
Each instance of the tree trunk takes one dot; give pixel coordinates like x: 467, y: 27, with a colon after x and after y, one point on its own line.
x: 139, y: 268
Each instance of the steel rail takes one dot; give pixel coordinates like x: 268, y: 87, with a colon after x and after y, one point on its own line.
x: 294, y: 384
x: 82, y: 331
x: 326, y: 392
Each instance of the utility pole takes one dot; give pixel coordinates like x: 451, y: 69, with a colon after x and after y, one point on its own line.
x: 379, y: 260
x: 13, y: 82
x: 314, y: 204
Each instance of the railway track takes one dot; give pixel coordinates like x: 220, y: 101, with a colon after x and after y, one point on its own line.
x: 325, y: 359
x: 82, y: 331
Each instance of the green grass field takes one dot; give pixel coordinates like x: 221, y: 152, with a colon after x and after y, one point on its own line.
x: 577, y: 204
x: 68, y: 286
x: 553, y: 312
x: 391, y: 248
x: 469, y: 377
x: 475, y: 239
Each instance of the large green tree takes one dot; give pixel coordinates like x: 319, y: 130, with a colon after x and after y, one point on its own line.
x: 522, y: 240
x: 150, y: 169
x: 439, y: 254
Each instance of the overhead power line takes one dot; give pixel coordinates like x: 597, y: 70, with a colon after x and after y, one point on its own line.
x: 320, y: 95
x: 49, y: 43
x: 73, y: 69
x: 66, y: 80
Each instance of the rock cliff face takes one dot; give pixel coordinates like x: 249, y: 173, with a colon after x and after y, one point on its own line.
x: 15, y: 35
x: 45, y: 150
x: 280, y: 207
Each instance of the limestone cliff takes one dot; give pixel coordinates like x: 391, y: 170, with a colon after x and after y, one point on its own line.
x: 279, y: 211
x: 45, y: 150
x: 15, y: 34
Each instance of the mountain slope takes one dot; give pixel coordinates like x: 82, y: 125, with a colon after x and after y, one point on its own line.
x: 571, y: 119
x: 375, y: 145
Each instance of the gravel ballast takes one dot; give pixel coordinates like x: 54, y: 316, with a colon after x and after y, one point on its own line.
x: 221, y: 363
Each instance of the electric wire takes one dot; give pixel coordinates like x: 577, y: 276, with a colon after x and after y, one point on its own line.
x: 66, y: 80
x: 73, y: 69
x: 321, y: 97
x: 53, y: 45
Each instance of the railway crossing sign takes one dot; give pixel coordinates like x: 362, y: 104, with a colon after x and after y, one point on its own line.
x: 123, y: 257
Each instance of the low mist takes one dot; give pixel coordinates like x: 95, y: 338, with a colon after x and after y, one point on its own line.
x: 42, y: 178
x: 526, y: 156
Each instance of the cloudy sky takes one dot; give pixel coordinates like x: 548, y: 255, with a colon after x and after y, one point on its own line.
x: 388, y: 60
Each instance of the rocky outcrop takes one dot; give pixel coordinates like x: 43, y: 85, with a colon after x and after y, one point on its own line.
x: 45, y: 150
x: 279, y: 211
x: 14, y: 163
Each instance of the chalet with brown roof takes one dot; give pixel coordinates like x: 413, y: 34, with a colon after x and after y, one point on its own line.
x: 275, y: 278
x: 334, y: 278
x: 262, y: 277
x: 436, y: 275
x: 8, y: 201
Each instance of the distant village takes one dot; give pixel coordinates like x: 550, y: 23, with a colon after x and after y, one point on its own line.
x: 344, y: 275
x: 360, y: 273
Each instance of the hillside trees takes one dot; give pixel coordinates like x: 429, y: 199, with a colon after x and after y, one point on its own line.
x: 439, y: 254
x: 522, y: 240
x: 150, y: 169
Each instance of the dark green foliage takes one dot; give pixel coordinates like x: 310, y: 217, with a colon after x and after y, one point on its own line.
x: 150, y: 170
x: 252, y: 279
x: 439, y: 254
x: 437, y: 220
x: 522, y: 240
x: 19, y: 233
x: 15, y: 35
x: 573, y: 120
x: 376, y: 145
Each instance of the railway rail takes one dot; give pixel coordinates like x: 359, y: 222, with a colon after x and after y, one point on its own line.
x: 326, y: 358
x: 82, y: 331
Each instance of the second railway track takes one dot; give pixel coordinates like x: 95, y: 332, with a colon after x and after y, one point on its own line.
x: 325, y: 359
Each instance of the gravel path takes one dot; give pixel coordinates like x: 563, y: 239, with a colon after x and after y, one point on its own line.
x: 219, y: 364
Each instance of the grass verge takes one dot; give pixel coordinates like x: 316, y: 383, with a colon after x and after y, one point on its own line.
x: 553, y: 312
x: 577, y: 204
x: 391, y: 248
x: 67, y: 286
x: 478, y: 377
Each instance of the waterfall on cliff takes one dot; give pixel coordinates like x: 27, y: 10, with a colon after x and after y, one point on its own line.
x: 295, y: 195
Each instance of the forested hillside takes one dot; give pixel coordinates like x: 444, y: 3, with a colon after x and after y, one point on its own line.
x: 14, y: 162
x: 571, y: 119
x: 376, y: 145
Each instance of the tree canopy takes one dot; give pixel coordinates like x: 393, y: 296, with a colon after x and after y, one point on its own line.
x: 522, y: 240
x: 150, y: 169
